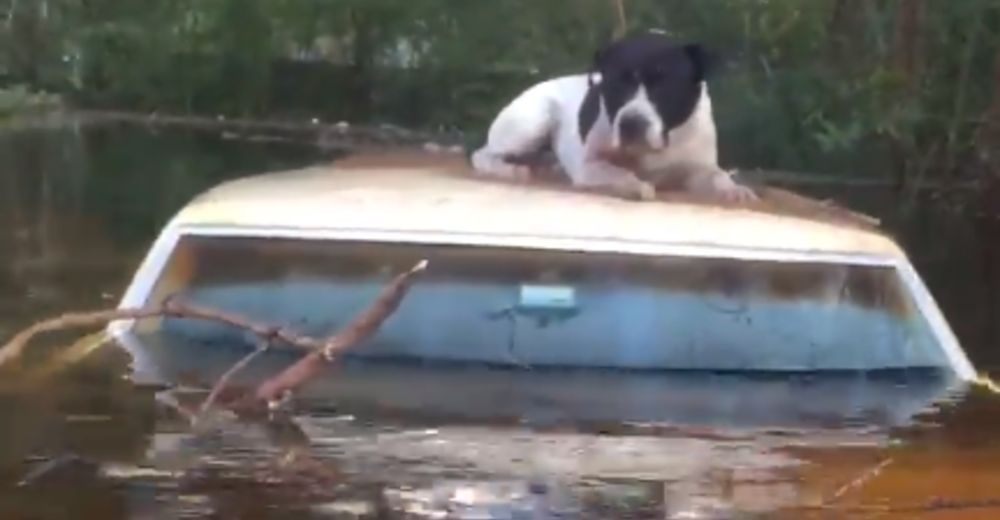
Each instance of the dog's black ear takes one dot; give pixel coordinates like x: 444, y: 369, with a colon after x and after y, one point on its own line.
x: 705, y: 60
x: 589, y: 110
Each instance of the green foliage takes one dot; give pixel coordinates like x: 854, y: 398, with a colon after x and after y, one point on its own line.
x: 812, y: 85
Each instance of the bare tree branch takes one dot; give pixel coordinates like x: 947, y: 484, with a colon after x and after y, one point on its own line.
x: 360, y: 329
x: 249, y: 405
x: 322, y: 352
x: 15, y: 347
x: 224, y: 379
x: 263, y: 331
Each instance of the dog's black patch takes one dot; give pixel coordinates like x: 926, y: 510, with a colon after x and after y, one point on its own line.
x: 670, y: 72
x: 589, y: 110
x: 704, y: 60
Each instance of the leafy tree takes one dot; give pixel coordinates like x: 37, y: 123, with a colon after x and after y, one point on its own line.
x: 901, y: 89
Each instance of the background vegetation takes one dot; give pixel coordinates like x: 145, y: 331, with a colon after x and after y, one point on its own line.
x: 894, y: 89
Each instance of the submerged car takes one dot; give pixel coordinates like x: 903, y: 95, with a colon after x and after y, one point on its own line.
x: 535, y: 276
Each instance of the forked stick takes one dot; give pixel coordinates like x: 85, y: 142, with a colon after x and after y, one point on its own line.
x: 321, y: 351
x: 357, y: 331
x: 14, y: 348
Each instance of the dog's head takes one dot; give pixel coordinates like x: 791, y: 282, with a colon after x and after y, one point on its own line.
x: 649, y: 86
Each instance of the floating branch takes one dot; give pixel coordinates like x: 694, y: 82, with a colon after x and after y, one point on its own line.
x: 859, y: 481
x: 357, y: 331
x: 13, y: 349
x: 321, y: 351
x: 223, y: 382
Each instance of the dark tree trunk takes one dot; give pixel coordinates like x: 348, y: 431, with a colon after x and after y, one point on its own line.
x: 988, y: 214
x: 906, y: 60
x: 907, y: 45
x: 363, y: 63
x: 842, y: 32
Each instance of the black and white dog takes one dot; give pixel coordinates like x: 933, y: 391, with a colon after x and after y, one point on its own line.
x: 642, y: 114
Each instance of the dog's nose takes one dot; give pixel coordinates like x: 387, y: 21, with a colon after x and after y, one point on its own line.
x: 632, y: 128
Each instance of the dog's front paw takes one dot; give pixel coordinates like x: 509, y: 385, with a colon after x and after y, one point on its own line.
x: 727, y: 190
x: 520, y: 173
x: 634, y: 189
x: 645, y: 191
x: 738, y: 194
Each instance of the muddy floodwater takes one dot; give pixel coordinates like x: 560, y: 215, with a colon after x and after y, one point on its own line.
x: 80, y: 203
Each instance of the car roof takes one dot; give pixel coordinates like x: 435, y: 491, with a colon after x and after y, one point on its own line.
x: 414, y: 192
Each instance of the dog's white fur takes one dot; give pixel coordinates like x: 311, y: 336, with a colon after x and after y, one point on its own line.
x: 548, y: 112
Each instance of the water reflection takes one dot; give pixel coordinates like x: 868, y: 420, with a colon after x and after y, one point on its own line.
x: 479, y: 441
x: 425, y: 393
x: 79, y: 205
x: 80, y: 202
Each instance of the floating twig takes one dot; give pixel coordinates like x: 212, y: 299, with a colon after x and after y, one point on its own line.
x: 358, y: 330
x: 168, y: 308
x: 248, y: 405
x: 321, y: 351
x: 223, y: 381
x: 14, y: 348
x: 859, y: 481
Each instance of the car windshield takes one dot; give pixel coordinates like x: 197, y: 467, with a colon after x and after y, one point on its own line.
x: 553, y: 308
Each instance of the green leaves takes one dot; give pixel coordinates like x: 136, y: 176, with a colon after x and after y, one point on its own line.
x: 807, y: 85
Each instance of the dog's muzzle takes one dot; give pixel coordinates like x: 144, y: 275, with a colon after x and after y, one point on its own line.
x: 635, y: 135
x: 632, y: 129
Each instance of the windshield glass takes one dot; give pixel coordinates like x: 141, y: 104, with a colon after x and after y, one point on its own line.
x: 559, y: 308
